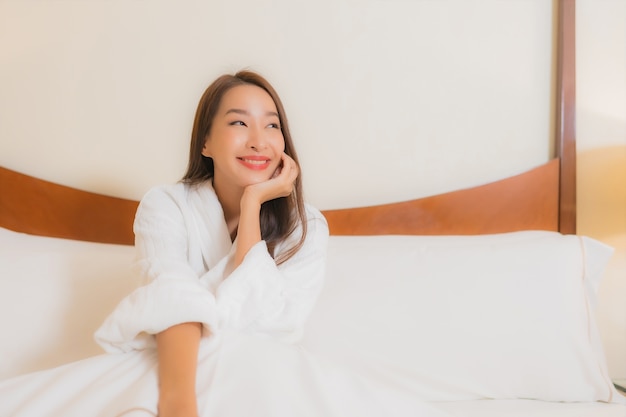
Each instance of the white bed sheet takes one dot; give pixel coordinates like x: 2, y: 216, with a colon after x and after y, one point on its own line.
x: 28, y: 268
x: 529, y: 408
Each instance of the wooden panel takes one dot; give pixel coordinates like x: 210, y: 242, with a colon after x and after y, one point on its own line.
x: 565, y: 139
x: 526, y: 201
x: 34, y: 206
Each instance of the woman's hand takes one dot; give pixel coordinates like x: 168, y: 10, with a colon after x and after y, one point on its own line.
x: 279, y: 185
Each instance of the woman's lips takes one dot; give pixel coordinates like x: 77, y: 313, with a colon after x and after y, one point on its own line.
x: 255, y: 162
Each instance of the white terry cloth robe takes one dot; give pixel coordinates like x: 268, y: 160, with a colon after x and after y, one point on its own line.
x: 249, y: 363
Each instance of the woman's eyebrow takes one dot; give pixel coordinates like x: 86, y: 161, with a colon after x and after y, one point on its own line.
x: 237, y: 111
x: 246, y: 113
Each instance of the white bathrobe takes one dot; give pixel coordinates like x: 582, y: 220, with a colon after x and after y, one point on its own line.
x: 184, y: 253
x: 249, y: 364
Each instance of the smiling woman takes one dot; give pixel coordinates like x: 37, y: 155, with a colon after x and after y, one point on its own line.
x: 232, y: 262
x: 412, y: 267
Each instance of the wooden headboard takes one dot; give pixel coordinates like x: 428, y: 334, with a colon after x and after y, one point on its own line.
x: 543, y: 198
x: 526, y: 201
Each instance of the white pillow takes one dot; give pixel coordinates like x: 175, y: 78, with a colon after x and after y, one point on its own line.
x: 54, y: 293
x: 466, y: 317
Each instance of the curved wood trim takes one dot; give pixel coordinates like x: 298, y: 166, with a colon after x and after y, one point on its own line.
x: 566, y: 114
x: 528, y: 201
x: 525, y: 201
x: 31, y: 205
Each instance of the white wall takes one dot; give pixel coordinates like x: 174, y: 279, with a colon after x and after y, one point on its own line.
x: 395, y: 96
x: 388, y: 99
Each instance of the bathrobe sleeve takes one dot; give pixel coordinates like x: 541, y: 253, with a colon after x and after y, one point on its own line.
x: 172, y: 293
x: 259, y: 296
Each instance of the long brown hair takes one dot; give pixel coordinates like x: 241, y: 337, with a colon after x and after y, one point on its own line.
x: 279, y: 217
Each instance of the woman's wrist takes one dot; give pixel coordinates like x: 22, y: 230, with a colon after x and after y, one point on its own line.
x: 250, y: 202
x: 177, y: 404
x: 177, y: 398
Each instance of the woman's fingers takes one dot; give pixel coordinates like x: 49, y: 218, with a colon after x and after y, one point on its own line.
x: 289, y: 173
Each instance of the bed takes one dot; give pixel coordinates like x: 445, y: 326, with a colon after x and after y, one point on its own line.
x: 480, y: 300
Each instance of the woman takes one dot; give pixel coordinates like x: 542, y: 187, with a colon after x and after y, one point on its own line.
x: 233, y: 261
x: 238, y: 213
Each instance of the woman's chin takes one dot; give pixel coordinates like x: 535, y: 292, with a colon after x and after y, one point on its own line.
x: 257, y: 180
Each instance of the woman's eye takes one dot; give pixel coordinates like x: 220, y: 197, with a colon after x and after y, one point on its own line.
x: 237, y: 123
x: 274, y: 125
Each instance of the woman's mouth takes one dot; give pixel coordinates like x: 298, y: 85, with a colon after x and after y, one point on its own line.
x: 254, y: 162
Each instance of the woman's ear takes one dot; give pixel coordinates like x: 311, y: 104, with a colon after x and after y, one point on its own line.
x: 206, y: 149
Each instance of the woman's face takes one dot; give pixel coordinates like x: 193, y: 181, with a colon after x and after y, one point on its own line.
x: 245, y: 142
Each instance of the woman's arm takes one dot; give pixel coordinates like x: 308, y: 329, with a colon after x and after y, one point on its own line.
x: 249, y: 228
x: 177, y: 352
x: 172, y: 304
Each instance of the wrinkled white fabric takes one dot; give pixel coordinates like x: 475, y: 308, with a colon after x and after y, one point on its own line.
x: 249, y: 360
x: 184, y: 251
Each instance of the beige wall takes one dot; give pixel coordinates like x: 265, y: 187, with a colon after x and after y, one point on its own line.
x: 392, y: 95
x: 601, y: 143
x: 388, y: 99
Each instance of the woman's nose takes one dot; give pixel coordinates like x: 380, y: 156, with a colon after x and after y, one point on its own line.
x: 256, y: 139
